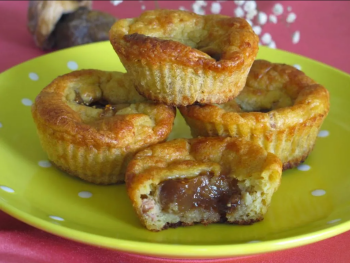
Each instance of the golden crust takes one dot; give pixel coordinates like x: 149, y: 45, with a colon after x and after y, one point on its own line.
x: 293, y: 109
x: 178, y: 48
x: 91, y: 142
x: 257, y: 171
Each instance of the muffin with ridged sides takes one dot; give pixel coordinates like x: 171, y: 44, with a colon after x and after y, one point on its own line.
x: 91, y: 122
x: 280, y: 108
x: 203, y: 180
x: 179, y: 58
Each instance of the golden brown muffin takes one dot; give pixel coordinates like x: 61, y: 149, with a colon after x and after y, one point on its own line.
x: 91, y: 122
x: 179, y: 58
x: 280, y: 109
x: 206, y: 180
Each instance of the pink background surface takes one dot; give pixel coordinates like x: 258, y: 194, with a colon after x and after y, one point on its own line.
x: 324, y: 36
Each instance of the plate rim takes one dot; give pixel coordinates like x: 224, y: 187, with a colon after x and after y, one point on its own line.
x: 182, y: 250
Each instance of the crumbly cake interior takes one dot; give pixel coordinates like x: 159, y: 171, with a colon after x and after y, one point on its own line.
x: 203, y: 180
x: 208, y: 197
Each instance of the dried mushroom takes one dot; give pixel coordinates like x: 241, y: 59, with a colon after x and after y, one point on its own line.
x: 44, y: 15
x: 61, y: 24
x: 81, y: 27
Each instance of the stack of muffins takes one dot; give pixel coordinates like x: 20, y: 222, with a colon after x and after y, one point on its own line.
x: 252, y: 119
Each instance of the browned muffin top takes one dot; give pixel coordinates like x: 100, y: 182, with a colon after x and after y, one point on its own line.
x: 212, y: 42
x: 101, y: 109
x: 275, y: 95
x: 187, y: 158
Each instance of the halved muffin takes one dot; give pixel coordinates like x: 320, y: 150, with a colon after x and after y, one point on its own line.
x: 179, y: 58
x: 280, y: 108
x: 203, y: 180
x: 91, y: 122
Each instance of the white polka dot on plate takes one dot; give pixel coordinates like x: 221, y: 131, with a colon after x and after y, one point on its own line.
x: 72, y: 65
x: 297, y: 66
x: 323, y: 133
x: 44, y: 163
x: 318, y: 192
x: 57, y: 218
x: 7, y: 189
x: 304, y: 167
x: 334, y: 221
x: 33, y: 76
x: 85, y: 194
x: 27, y: 102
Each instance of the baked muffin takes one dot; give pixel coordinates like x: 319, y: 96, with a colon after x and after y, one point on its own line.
x: 179, y: 58
x: 206, y: 180
x: 91, y: 122
x: 280, y: 108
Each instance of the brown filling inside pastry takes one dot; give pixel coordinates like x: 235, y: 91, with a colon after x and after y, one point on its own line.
x: 219, y: 194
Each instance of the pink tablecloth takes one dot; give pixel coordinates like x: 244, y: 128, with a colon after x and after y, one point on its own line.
x: 319, y: 30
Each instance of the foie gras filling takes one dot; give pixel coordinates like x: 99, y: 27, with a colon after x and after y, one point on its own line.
x: 98, y: 102
x: 213, y: 193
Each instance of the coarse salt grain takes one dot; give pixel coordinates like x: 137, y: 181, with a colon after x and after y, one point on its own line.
x: 249, y: 6
x: 215, y: 8
x: 198, y: 7
x: 273, y: 19
x: 291, y: 17
x: 277, y: 9
x: 257, y: 29
x: 296, y: 37
x: 239, y: 12
x: 251, y: 14
x: 239, y: 2
x: 115, y: 3
x: 262, y: 18
x: 266, y: 38
x: 272, y: 44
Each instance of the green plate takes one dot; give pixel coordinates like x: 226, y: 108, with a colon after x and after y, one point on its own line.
x: 312, y: 203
